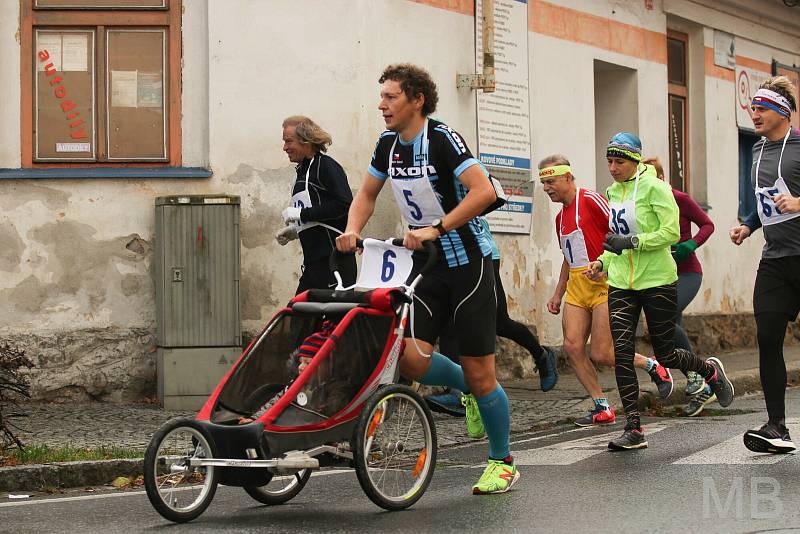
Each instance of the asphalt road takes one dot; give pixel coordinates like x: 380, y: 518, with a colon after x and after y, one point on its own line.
x: 695, y: 476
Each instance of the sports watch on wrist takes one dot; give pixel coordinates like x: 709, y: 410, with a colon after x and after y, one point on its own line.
x: 437, y: 223
x: 635, y: 241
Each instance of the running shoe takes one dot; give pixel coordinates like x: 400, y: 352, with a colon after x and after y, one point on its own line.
x: 473, y: 416
x: 662, y: 378
x: 598, y: 417
x: 498, y: 477
x: 632, y: 438
x: 448, y: 402
x: 699, y: 401
x: 548, y: 372
x: 772, y: 437
x: 694, y: 383
x: 719, y: 383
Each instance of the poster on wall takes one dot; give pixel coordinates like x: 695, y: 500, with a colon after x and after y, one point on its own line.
x: 747, y: 82
x: 504, y: 131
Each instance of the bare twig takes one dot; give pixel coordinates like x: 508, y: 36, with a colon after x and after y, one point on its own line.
x: 14, y: 386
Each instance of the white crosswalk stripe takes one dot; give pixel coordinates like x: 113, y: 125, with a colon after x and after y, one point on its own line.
x: 729, y: 452
x: 576, y: 450
x: 733, y: 452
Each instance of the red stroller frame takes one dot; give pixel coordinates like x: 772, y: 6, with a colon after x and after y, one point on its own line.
x: 266, y: 425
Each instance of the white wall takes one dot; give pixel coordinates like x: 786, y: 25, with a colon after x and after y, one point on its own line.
x: 324, y: 64
x: 247, y: 65
x: 10, y: 139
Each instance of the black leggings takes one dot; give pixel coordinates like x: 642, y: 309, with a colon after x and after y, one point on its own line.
x: 771, y: 331
x: 509, y: 328
x: 660, y: 306
x: 506, y: 327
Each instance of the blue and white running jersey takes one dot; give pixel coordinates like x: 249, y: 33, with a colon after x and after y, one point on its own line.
x: 448, y: 157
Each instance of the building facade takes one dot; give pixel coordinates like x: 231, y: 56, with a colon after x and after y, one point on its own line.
x: 109, y: 107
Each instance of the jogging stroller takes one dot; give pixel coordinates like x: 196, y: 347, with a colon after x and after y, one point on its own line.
x: 317, y: 387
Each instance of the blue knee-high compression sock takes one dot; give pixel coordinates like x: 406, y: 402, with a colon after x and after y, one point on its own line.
x: 443, y: 372
x: 497, y: 422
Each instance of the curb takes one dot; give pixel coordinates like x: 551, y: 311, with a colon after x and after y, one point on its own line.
x: 35, y: 477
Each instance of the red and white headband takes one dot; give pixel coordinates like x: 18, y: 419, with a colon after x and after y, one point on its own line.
x: 772, y: 100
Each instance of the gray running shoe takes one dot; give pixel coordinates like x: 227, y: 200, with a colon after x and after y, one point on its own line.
x: 772, y: 437
x: 719, y: 383
x: 694, y: 383
x: 632, y: 438
x: 699, y: 401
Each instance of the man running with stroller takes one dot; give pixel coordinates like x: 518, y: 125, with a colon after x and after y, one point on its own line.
x: 441, y: 189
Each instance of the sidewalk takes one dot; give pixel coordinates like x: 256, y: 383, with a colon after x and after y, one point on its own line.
x: 130, y: 426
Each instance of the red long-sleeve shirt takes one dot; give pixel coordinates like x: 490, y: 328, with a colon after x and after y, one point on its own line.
x: 691, y: 212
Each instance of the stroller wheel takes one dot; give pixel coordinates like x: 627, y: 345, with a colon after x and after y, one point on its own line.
x: 280, y: 489
x: 395, y: 447
x: 177, y: 490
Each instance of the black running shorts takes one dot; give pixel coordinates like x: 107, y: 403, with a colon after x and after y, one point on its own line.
x: 777, y: 287
x: 464, y: 295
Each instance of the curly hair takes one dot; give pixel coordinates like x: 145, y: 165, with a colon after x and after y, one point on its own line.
x: 784, y: 87
x: 309, y: 132
x: 414, y: 81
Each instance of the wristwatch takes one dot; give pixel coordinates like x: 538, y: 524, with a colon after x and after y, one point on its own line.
x: 437, y: 223
x: 635, y: 241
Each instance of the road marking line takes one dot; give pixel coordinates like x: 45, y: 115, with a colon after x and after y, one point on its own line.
x: 576, y: 450
x: 128, y: 493
x: 733, y: 452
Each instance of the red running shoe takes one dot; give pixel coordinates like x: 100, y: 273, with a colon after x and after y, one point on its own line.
x: 662, y: 378
x: 598, y: 417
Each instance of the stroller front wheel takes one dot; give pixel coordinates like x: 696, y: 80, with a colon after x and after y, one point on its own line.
x: 395, y: 447
x: 280, y: 489
x: 177, y: 490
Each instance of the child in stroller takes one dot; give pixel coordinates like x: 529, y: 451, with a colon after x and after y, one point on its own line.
x: 336, y: 390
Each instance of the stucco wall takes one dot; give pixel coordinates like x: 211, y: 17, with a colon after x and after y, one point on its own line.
x: 75, y: 255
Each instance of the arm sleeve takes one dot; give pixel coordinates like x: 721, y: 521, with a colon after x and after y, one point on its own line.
x: 695, y: 213
x: 379, y: 166
x: 336, y: 198
x: 752, y: 221
x: 454, y: 151
x: 666, y: 209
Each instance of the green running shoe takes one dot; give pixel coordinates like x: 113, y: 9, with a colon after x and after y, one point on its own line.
x: 498, y: 477
x: 474, y: 422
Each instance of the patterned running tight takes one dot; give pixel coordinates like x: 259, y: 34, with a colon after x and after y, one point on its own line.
x: 660, y: 306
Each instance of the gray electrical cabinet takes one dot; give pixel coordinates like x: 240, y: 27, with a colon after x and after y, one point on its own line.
x: 197, y: 295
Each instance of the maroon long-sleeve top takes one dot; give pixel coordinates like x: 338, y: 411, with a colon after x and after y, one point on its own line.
x: 691, y: 212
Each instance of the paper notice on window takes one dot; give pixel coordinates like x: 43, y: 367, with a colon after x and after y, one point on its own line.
x: 123, y: 88
x: 76, y: 53
x: 51, y: 43
x: 150, y: 90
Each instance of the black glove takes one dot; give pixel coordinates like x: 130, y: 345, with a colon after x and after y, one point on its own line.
x: 617, y: 243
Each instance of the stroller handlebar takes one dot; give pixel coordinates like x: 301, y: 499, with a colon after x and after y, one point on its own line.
x: 427, y: 246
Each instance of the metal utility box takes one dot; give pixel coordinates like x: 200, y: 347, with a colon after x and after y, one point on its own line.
x: 197, y: 295
x: 197, y: 271
x: 186, y: 377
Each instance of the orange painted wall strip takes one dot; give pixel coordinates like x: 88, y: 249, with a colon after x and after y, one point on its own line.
x: 716, y: 71
x: 754, y: 64
x: 728, y: 75
x: 579, y: 27
x: 465, y: 7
